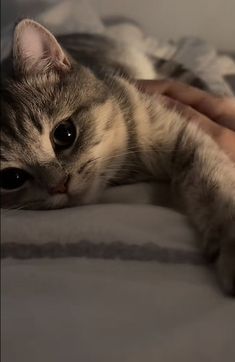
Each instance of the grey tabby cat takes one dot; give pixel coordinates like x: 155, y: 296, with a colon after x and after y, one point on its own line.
x: 71, y: 125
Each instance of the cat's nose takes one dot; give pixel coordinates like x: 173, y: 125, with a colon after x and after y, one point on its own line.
x: 61, y: 187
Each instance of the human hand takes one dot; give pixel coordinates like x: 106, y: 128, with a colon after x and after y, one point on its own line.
x: 215, y: 115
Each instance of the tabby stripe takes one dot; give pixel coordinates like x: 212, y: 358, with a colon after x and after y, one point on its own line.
x: 13, y: 133
x: 121, y: 94
x: 127, y: 106
x: 36, y: 122
x: 183, y: 157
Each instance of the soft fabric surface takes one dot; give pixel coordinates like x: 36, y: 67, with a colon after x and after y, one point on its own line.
x: 89, y: 310
x: 141, y: 232
x: 102, y: 311
x: 78, y: 16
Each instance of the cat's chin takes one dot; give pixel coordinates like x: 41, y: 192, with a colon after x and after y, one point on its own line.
x: 71, y: 200
x: 89, y: 195
x: 77, y: 200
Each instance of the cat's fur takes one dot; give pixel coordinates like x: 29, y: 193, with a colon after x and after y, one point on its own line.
x: 122, y: 135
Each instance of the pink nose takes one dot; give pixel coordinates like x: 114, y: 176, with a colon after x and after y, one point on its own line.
x: 61, y: 187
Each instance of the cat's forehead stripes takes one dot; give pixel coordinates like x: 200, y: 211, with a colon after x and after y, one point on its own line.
x: 33, y: 150
x: 45, y: 144
x: 24, y: 134
x: 26, y: 129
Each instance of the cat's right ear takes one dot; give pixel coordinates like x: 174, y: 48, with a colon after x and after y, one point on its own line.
x: 36, y: 50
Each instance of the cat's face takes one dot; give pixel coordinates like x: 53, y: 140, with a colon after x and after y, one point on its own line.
x: 58, y: 146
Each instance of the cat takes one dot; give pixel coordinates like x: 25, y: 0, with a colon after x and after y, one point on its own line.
x: 74, y: 122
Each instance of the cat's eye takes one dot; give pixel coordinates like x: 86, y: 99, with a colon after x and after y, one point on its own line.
x: 64, y: 135
x: 13, y: 178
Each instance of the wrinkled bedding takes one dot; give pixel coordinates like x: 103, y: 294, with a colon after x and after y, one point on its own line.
x: 157, y: 300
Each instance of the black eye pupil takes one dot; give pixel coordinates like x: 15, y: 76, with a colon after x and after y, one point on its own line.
x: 64, y: 135
x: 13, y: 178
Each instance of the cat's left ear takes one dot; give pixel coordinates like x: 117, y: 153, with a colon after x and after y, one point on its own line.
x: 36, y: 50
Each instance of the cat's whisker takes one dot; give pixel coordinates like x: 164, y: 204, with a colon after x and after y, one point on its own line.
x: 23, y: 206
x: 128, y: 152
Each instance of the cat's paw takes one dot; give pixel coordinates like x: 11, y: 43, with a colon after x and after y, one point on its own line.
x: 225, y: 264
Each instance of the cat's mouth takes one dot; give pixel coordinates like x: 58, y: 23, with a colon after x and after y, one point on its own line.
x: 76, y: 192
x: 66, y: 199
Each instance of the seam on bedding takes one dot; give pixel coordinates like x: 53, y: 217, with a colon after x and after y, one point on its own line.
x: 114, y: 250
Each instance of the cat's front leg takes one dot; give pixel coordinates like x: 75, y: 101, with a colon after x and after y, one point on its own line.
x: 202, y: 175
x: 205, y: 179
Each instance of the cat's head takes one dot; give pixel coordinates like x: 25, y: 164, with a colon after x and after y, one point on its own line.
x: 59, y: 143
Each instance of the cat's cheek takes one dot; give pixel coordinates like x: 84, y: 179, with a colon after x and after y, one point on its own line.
x: 8, y: 200
x: 13, y: 199
x: 96, y: 191
x: 58, y: 201
x: 84, y: 192
x: 93, y: 195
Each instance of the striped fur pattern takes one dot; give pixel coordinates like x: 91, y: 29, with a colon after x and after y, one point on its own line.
x: 122, y: 136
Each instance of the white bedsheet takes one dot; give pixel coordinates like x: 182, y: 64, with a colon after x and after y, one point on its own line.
x: 96, y: 310
x: 83, y: 310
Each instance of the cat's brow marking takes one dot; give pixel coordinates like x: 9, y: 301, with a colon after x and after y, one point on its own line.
x: 45, y: 144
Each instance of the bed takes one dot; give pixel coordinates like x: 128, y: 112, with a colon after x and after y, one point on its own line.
x: 122, y: 280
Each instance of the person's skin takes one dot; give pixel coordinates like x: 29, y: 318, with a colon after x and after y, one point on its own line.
x: 215, y: 115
